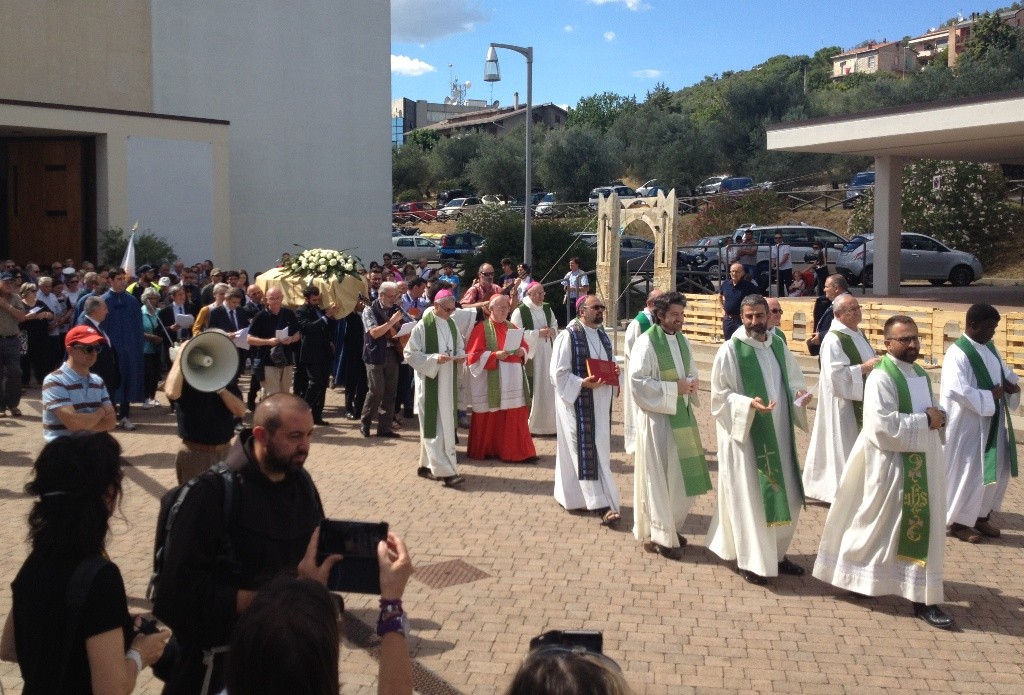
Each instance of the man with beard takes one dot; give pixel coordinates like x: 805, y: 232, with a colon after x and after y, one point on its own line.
x: 757, y: 396
x: 273, y: 528
x: 885, y: 533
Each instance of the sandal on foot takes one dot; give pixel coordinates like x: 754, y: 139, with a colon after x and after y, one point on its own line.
x: 610, y: 518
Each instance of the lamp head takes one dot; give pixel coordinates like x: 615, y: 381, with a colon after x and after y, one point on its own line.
x: 491, y: 71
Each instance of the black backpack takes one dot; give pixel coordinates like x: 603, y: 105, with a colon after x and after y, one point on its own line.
x: 170, y: 505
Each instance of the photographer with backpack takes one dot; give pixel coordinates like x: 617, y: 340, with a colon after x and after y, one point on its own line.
x: 69, y: 628
x: 229, y: 531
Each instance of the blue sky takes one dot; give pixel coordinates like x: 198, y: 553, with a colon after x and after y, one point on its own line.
x: 584, y: 47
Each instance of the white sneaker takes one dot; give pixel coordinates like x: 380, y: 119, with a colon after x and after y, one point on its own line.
x: 155, y: 403
x: 147, y: 404
x: 126, y: 424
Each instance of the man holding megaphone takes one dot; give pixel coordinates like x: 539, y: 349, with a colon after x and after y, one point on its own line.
x: 203, y: 383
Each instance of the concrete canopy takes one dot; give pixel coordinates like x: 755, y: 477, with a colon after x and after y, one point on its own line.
x: 988, y: 128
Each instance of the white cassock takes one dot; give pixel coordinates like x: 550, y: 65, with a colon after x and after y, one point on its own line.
x: 437, y: 453
x: 970, y: 412
x: 861, y: 537
x: 660, y: 503
x: 835, y: 426
x: 633, y: 331
x: 739, y: 529
x: 570, y: 491
x: 542, y: 408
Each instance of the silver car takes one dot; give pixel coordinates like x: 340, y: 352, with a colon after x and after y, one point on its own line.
x: 921, y: 258
x: 413, y: 248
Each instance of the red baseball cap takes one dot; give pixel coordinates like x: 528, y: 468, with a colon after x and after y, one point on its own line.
x: 84, y: 335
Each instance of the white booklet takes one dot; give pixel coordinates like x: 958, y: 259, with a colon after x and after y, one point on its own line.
x: 513, y: 339
x: 240, y: 339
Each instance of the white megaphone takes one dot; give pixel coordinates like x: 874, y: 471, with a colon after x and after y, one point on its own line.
x: 209, y: 361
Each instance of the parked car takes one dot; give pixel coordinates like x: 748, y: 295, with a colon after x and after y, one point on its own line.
x: 710, y: 247
x: 921, y: 258
x: 650, y: 189
x: 735, y: 184
x: 710, y: 185
x: 418, y: 211
x: 498, y: 199
x: 863, y: 181
x: 630, y: 248
x: 461, y: 244
x: 454, y: 209
x: 624, y: 193
x: 547, y: 206
x: 451, y: 194
x: 799, y: 237
x: 413, y: 248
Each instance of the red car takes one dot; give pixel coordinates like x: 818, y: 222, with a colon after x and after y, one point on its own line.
x: 416, y: 212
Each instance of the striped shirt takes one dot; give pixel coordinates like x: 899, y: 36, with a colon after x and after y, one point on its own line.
x: 64, y: 387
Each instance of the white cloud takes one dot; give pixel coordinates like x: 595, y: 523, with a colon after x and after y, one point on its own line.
x: 633, y: 5
x: 568, y: 28
x: 418, y: 21
x: 647, y: 74
x: 609, y: 36
x: 410, y: 67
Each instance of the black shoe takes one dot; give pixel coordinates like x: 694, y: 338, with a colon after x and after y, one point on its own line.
x: 664, y: 551
x: 351, y: 416
x: 322, y: 423
x: 933, y: 615
x: 753, y: 577
x: 453, y: 481
x: 364, y: 430
x: 791, y: 568
x: 389, y: 435
x: 424, y: 472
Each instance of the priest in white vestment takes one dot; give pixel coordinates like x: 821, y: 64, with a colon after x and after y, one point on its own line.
x: 754, y: 383
x: 886, y: 531
x: 435, y: 351
x: 583, y: 471
x: 637, y: 327
x: 670, y: 468
x: 977, y: 391
x: 846, y: 359
x: 536, y: 317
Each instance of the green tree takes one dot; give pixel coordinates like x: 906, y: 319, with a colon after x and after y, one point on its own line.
x: 990, y: 34
x: 967, y: 210
x: 422, y: 138
x: 149, y: 248
x: 574, y: 160
x: 451, y: 156
x: 500, y: 165
x: 725, y: 214
x: 410, y: 169
x: 599, y: 111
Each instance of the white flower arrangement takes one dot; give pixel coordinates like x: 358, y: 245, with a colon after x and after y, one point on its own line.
x: 323, y: 263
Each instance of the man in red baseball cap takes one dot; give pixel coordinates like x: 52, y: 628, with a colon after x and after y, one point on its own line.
x: 75, y: 399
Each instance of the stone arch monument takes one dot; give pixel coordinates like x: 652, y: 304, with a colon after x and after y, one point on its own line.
x: 659, y: 214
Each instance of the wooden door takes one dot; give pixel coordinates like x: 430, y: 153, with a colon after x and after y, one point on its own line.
x: 44, y: 200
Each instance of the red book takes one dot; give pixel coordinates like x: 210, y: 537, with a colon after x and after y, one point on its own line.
x: 603, y: 370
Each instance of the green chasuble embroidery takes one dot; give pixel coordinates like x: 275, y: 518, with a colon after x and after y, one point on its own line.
x: 696, y: 478
x: 762, y: 433
x: 430, y: 344
x: 526, y: 316
x: 915, y: 521
x: 984, y: 380
x: 853, y: 354
x: 645, y: 323
x: 493, y: 376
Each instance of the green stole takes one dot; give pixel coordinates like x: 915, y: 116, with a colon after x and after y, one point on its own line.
x: 782, y: 335
x: 645, y: 323
x: 526, y: 316
x: 984, y: 380
x: 915, y: 521
x: 696, y: 479
x: 493, y: 378
x: 853, y: 354
x: 430, y: 344
x: 762, y: 433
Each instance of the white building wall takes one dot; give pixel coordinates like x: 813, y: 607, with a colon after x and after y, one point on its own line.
x: 306, y: 88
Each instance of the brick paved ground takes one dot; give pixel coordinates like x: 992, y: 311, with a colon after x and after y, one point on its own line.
x: 678, y: 627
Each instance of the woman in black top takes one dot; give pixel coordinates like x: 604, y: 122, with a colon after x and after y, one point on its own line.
x: 36, y: 326
x: 92, y: 649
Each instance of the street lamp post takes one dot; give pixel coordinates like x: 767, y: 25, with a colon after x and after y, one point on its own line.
x: 493, y: 74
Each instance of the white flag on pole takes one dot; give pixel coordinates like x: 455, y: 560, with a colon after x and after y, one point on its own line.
x: 128, y: 262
